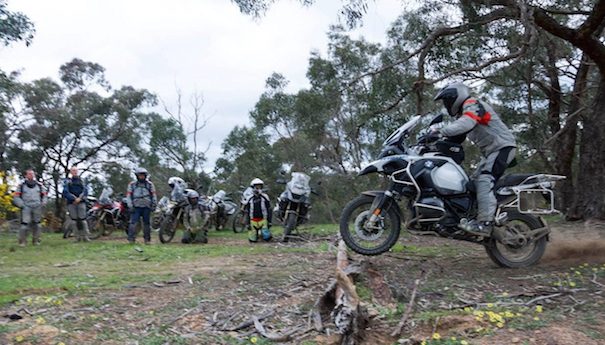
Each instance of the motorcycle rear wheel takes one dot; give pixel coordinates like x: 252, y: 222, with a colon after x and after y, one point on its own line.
x: 363, y: 240
x: 239, y: 222
x: 515, y: 257
x: 167, y: 229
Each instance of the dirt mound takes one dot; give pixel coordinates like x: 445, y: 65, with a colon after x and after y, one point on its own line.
x: 575, y: 249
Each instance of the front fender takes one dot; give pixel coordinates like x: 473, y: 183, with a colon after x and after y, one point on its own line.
x: 377, y: 193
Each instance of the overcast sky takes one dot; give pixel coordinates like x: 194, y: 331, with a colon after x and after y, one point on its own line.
x: 206, y: 45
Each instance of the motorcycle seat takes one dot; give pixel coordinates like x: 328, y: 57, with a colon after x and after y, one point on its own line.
x: 504, y: 181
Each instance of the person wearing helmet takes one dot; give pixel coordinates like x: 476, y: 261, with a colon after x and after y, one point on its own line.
x: 483, y: 126
x: 196, y: 215
x: 177, y: 181
x: 142, y: 201
x: 258, y: 212
x: 75, y: 191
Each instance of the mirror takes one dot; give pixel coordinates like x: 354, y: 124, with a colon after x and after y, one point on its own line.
x: 319, y: 183
x: 281, y: 181
x: 437, y: 119
x: 282, y: 172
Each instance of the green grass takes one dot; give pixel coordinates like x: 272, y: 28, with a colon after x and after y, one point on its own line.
x: 103, y: 264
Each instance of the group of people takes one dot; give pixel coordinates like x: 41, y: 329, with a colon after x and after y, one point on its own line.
x: 472, y: 117
x: 31, y: 197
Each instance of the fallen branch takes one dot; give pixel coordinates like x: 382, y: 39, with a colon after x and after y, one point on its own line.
x: 250, y: 322
x: 408, y: 309
x: 594, y: 280
x: 273, y: 336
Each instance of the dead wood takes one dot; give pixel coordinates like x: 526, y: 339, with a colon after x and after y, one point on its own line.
x: 408, y: 309
x: 250, y: 322
x: 274, y: 336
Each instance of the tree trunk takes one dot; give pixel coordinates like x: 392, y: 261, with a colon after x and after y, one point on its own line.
x: 590, y: 200
x: 564, y: 147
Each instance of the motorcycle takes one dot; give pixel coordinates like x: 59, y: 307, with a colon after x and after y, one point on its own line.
x: 172, y: 213
x: 294, y: 203
x: 68, y: 224
x: 109, y: 215
x: 441, y: 201
x: 239, y: 219
x: 158, y: 214
x: 221, y: 208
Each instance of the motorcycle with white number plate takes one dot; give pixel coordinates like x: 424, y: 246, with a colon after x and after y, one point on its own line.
x: 441, y: 201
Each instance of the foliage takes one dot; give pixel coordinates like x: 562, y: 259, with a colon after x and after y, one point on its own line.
x: 6, y: 197
x: 14, y: 26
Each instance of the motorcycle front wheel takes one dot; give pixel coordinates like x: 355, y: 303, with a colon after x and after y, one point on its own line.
x: 362, y: 239
x: 167, y: 229
x: 96, y: 227
x: 517, y: 256
x: 239, y: 222
x: 289, y: 225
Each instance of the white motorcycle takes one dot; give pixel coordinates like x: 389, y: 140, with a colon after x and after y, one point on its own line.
x: 221, y: 208
x: 441, y: 201
x: 294, y: 203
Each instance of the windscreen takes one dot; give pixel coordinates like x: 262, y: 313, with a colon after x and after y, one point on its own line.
x: 299, y: 184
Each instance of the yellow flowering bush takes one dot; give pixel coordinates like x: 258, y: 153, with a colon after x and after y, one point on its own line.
x: 6, y: 197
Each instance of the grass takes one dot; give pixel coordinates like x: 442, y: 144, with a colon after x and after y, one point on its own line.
x: 110, y: 264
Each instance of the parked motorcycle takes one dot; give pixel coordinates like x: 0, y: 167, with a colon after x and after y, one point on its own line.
x: 441, y: 201
x: 172, y: 213
x: 109, y: 215
x: 158, y: 214
x: 239, y: 218
x: 294, y: 203
x: 221, y: 208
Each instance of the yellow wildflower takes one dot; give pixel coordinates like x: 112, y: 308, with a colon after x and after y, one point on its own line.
x: 586, y: 264
x: 505, y: 294
x: 480, y: 319
x: 436, y: 336
x: 29, y: 300
x: 539, y: 308
x: 467, y: 309
x: 519, y: 314
x: 253, y: 339
x: 577, y: 272
x: 93, y: 316
x: 40, y: 320
x: 453, y: 338
x: 489, y: 305
x: 463, y: 342
x: 19, y: 338
x: 572, y: 284
x: 61, y: 343
x: 500, y: 325
x: 151, y: 312
x: 479, y: 329
x: 423, y: 343
x: 536, y: 318
x: 556, y: 284
x: 571, y: 268
x: 595, y: 269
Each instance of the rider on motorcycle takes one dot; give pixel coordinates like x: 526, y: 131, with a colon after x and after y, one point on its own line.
x: 177, y: 181
x: 258, y: 212
x: 195, y: 212
x: 496, y: 142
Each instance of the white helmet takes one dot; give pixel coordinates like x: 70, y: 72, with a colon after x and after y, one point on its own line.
x: 176, y: 181
x: 256, y: 181
x: 139, y: 171
x: 453, y: 95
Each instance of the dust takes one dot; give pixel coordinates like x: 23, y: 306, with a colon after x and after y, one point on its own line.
x: 575, y: 249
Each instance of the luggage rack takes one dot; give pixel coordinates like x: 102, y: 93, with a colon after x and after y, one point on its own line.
x: 534, y: 194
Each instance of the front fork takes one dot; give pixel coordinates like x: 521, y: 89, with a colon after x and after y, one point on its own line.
x: 381, y: 205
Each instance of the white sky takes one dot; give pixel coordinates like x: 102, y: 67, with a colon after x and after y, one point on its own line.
x: 206, y: 45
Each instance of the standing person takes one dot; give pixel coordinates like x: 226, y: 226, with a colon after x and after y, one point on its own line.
x: 496, y: 142
x: 30, y: 197
x: 258, y: 212
x: 75, y: 191
x: 195, y: 217
x: 142, y: 201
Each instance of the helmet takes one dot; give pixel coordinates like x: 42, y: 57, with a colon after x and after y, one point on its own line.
x: 256, y: 181
x: 453, y: 95
x: 193, y: 197
x: 176, y: 181
x: 138, y: 171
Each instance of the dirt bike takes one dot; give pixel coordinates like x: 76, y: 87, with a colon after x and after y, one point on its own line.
x: 239, y: 218
x: 172, y: 214
x: 221, y: 208
x: 294, y: 203
x: 109, y: 215
x: 441, y: 201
